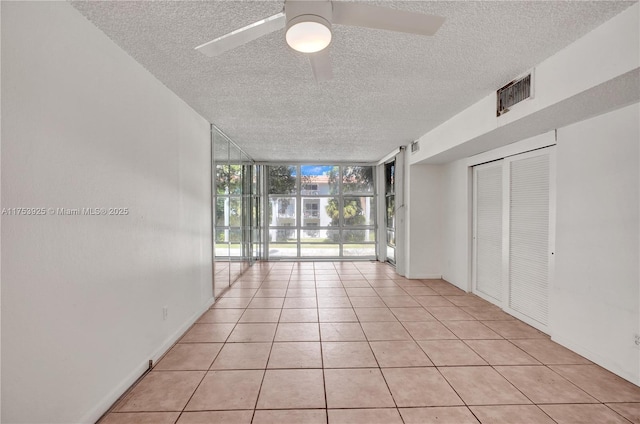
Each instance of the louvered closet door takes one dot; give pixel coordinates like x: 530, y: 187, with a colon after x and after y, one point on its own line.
x: 528, y: 235
x: 487, y: 196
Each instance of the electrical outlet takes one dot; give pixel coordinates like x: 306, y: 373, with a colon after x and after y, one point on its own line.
x: 637, y: 339
x: 165, y: 312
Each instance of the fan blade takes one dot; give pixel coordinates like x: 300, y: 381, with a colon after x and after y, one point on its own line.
x: 364, y: 15
x: 321, y: 65
x: 243, y: 35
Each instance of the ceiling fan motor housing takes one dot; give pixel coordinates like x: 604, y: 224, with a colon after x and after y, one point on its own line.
x: 308, y: 27
x: 322, y: 9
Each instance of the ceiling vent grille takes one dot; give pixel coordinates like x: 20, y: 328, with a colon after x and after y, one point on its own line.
x: 513, y: 93
x: 415, y: 146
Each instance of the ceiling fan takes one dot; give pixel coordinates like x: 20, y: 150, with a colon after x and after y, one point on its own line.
x: 308, y: 28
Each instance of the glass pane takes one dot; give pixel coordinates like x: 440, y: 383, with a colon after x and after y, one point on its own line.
x: 221, y: 245
x: 247, y: 178
x: 330, y: 213
x: 235, y: 212
x: 358, y: 236
x: 235, y: 155
x: 318, y: 180
x: 333, y: 234
x: 235, y: 237
x: 220, y: 148
x: 282, y: 179
x: 246, y: 242
x: 283, y: 249
x: 390, y: 177
x: 282, y: 211
x: 255, y: 210
x: 358, y: 211
x: 391, y: 254
x: 229, y: 179
x: 359, y: 250
x: 222, y: 205
x: 235, y: 179
x: 311, y: 208
x: 391, y: 238
x: 357, y: 179
x: 282, y: 235
x: 222, y: 178
x: 311, y: 250
x: 312, y: 212
x: 235, y: 249
x: 305, y: 205
x: 391, y: 212
x: 314, y: 235
x: 255, y: 182
x: 247, y: 202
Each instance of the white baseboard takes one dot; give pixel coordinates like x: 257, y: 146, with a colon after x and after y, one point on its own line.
x: 425, y: 277
x: 180, y: 331
x: 596, y: 359
x: 93, y: 415
x: 464, y: 289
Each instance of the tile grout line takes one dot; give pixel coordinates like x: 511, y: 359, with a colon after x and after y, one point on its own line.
x: 324, y: 378
x: 618, y: 413
x: 235, y: 326
x: 464, y: 341
x: 264, y: 374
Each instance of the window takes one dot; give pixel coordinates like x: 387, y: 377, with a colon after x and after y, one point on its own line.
x: 238, y: 237
x: 390, y: 213
x: 337, y: 204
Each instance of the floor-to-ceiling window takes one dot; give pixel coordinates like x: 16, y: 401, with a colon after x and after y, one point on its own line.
x: 321, y: 211
x: 237, y: 212
x: 280, y: 211
x: 390, y: 207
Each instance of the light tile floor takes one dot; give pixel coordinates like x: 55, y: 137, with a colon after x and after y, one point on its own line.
x: 354, y: 343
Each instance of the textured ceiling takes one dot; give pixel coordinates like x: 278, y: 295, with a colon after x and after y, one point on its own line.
x: 388, y: 88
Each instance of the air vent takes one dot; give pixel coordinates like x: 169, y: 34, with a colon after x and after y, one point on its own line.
x: 513, y: 93
x: 415, y: 146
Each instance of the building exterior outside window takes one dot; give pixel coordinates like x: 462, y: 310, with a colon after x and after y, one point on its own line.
x: 320, y: 211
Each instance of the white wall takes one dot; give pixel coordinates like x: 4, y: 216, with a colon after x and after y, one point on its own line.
x: 613, y: 46
x: 456, y: 224
x: 479, y: 118
x: 595, y: 295
x: 564, y: 84
x: 424, y: 212
x: 82, y: 296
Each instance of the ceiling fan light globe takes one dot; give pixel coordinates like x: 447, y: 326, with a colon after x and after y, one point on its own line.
x: 308, y: 34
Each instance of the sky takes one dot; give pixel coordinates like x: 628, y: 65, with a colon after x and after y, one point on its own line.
x: 315, y: 169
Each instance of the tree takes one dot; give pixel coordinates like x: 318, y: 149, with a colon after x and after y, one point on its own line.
x: 229, y: 179
x: 282, y: 181
x: 229, y: 182
x: 355, y: 179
